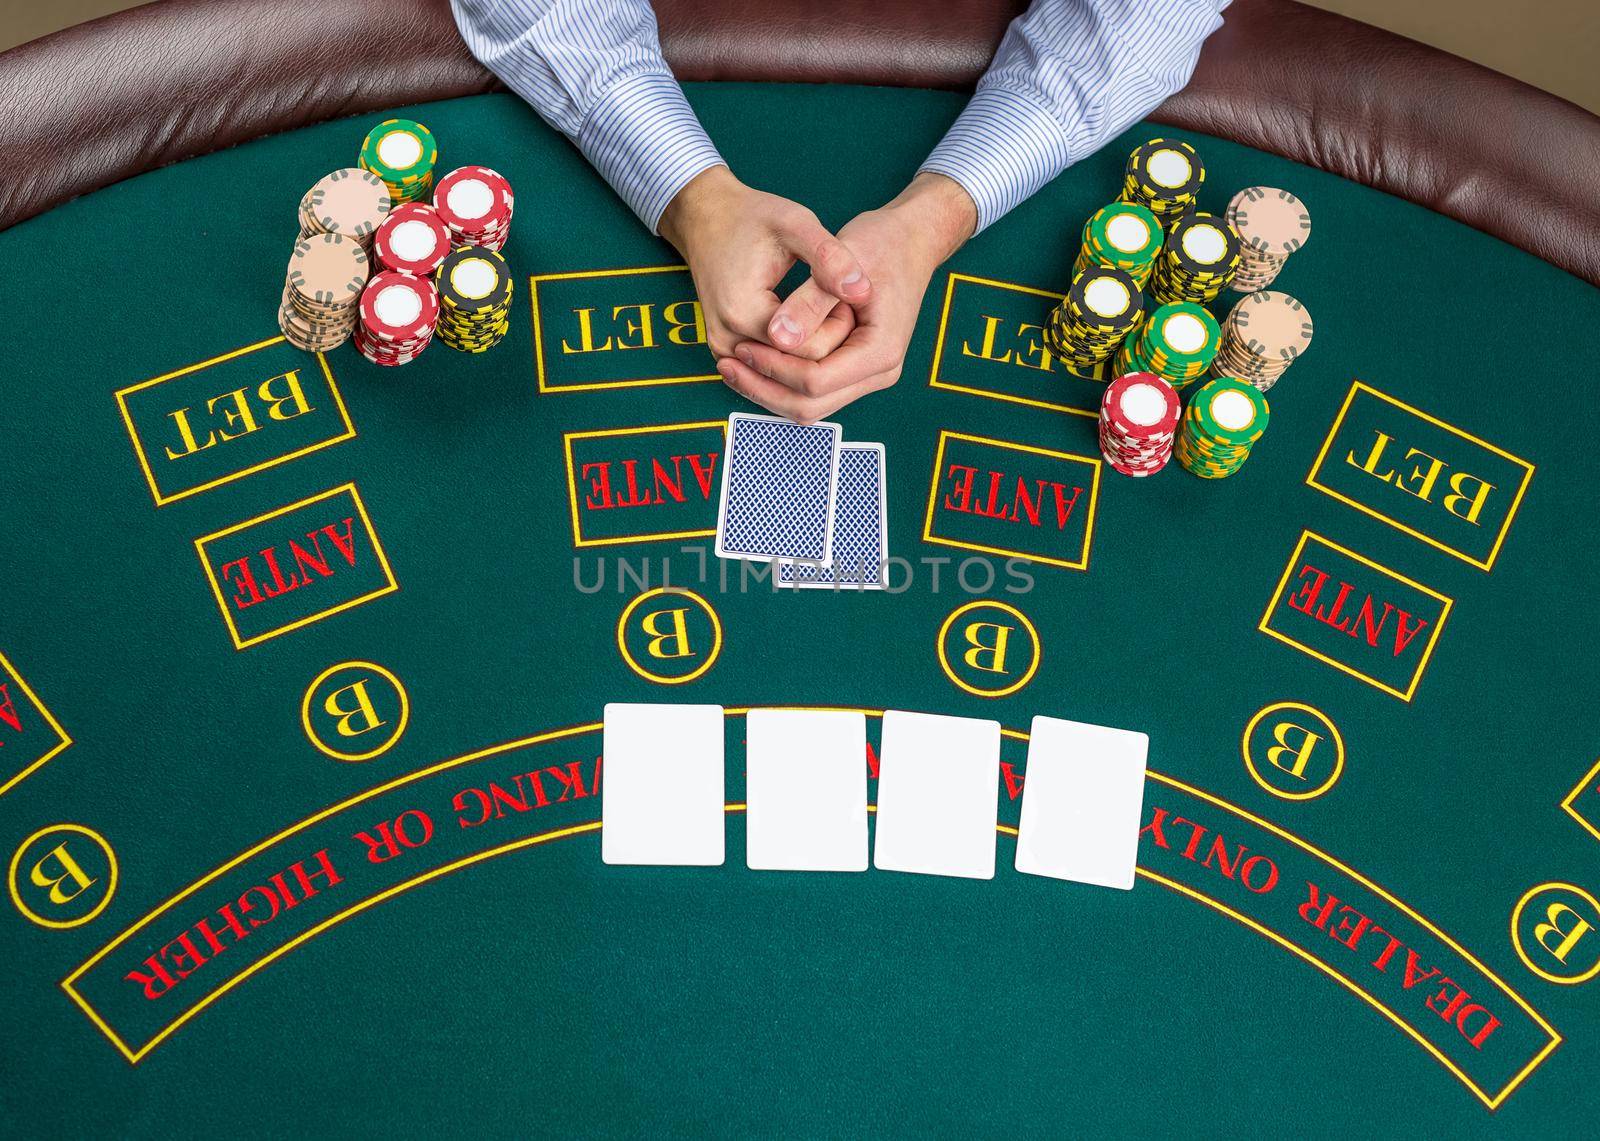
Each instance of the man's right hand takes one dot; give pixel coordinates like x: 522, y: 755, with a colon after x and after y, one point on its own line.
x: 740, y: 242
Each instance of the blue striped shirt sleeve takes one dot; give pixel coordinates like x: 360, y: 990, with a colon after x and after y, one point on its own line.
x: 1067, y: 77
x: 593, y: 69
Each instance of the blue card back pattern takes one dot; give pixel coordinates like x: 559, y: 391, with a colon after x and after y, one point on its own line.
x: 860, y: 527
x: 778, y: 488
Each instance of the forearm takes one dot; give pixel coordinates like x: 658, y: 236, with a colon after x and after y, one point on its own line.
x: 938, y: 214
x: 700, y: 213
x: 594, y: 70
x: 1068, y: 76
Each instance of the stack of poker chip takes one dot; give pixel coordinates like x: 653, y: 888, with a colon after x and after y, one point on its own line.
x: 1121, y: 236
x: 1271, y: 224
x: 1100, y: 310
x: 350, y: 202
x: 1177, y: 343
x: 413, y: 239
x: 474, y: 299
x: 476, y: 203
x: 327, y: 273
x: 403, y: 154
x: 1264, y: 334
x: 1164, y: 176
x: 1138, y: 423
x: 1220, y: 426
x: 398, y: 314
x: 1200, y: 258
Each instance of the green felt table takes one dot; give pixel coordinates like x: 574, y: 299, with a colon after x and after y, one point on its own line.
x: 1365, y: 664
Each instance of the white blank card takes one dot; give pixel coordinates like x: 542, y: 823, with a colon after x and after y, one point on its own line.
x: 806, y: 784
x: 661, y: 799
x: 1082, y: 795
x: 938, y: 795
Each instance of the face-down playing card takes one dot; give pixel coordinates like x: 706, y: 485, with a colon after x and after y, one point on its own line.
x: 860, y: 528
x: 778, y: 488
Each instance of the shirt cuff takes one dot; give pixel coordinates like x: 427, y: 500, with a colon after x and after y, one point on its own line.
x: 644, y: 138
x: 1002, y: 148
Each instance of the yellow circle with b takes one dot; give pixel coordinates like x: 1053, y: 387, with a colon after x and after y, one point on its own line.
x: 988, y: 656
x: 1290, y: 748
x: 62, y: 874
x: 672, y: 638
x: 1566, y: 919
x: 350, y: 700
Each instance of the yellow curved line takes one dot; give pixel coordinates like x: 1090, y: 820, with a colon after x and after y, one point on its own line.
x: 332, y: 810
x: 1493, y: 1102
x: 133, y: 1056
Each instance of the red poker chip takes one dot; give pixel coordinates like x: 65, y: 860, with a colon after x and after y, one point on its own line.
x: 1129, y: 455
x: 474, y: 200
x: 391, y: 344
x: 1141, y: 406
x: 1129, y: 459
x: 389, y: 362
x: 1155, y: 463
x: 412, y: 353
x: 1111, y: 444
x: 1125, y: 423
x: 1124, y: 448
x: 379, y: 348
x: 1149, y: 440
x: 1137, y: 473
x: 399, y: 307
x: 388, y: 352
x: 366, y: 342
x: 1133, y: 458
x: 1123, y: 461
x: 413, y: 239
x: 1122, y: 455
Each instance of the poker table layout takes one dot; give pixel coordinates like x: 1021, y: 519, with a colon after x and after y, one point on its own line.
x: 304, y: 661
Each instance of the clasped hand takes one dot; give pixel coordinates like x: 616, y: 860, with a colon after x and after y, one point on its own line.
x: 843, y: 333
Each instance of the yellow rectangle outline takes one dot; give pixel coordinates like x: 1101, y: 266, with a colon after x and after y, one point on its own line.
x: 938, y: 347
x: 134, y: 1056
x: 1566, y: 801
x: 372, y: 535
x: 63, y: 740
x: 945, y: 435
x: 1338, y: 422
x: 1422, y: 664
x: 572, y: 482
x: 144, y: 461
x: 538, y: 333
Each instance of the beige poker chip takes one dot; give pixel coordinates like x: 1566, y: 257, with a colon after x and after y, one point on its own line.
x: 350, y: 201
x: 328, y: 268
x: 1271, y: 325
x: 1270, y: 221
